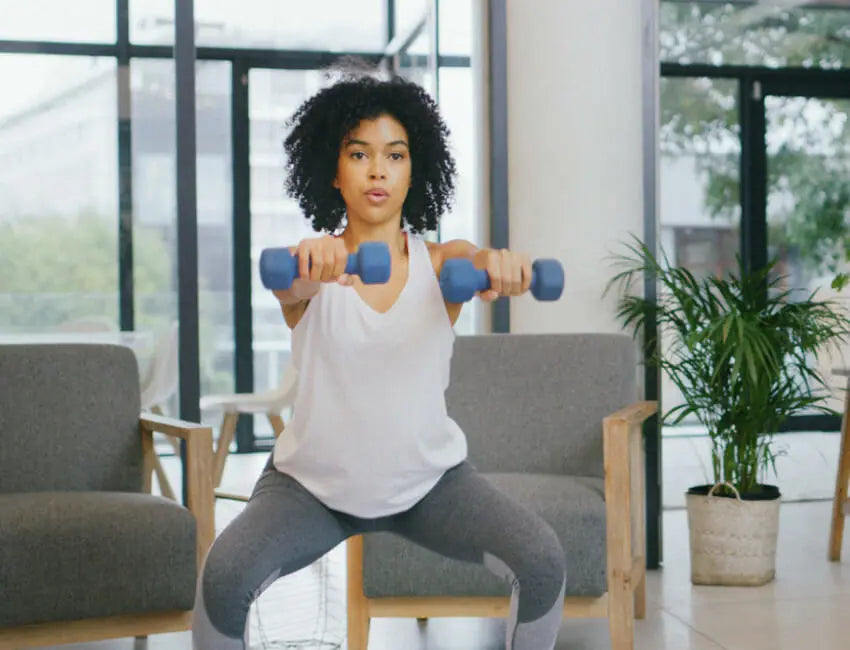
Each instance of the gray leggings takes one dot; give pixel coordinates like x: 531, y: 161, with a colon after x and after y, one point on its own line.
x: 284, y: 528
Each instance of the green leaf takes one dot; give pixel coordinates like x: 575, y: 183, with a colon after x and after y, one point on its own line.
x: 742, y: 359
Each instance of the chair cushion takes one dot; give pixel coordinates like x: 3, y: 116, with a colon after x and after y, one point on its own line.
x: 74, y: 555
x: 573, y: 506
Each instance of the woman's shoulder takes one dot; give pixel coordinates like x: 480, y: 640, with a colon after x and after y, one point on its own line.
x: 435, y: 252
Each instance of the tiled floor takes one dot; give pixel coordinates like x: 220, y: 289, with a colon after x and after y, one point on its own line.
x: 803, y: 608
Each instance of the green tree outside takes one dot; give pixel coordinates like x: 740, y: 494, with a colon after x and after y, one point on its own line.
x: 809, y: 157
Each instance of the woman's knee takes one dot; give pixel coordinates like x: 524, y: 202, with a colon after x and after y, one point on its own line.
x: 222, y: 591
x: 539, y: 571
x: 545, y: 562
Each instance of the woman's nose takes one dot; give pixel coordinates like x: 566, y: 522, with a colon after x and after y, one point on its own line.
x: 377, y: 170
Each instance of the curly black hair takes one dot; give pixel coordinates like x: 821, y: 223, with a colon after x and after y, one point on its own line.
x: 321, y: 123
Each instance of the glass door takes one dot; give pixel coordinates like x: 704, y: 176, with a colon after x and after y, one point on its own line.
x: 806, y: 183
x: 275, y: 219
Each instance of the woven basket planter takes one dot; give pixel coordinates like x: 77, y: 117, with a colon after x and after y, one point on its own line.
x: 732, y: 540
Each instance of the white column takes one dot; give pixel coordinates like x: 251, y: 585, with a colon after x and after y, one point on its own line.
x: 574, y: 150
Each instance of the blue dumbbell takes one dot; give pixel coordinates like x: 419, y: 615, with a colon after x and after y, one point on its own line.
x: 279, y: 267
x: 460, y: 280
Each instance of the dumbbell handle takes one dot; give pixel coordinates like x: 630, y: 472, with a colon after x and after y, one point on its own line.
x: 481, y: 280
x: 352, y: 266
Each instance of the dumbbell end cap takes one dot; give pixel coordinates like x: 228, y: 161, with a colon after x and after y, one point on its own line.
x: 549, y: 280
x: 374, y: 261
x: 277, y: 270
x: 457, y: 280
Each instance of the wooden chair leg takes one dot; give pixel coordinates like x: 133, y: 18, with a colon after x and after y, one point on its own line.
x: 621, y: 614
x: 836, y: 533
x: 277, y: 424
x: 225, y: 437
x: 640, y: 598
x: 358, y: 606
x: 618, y: 441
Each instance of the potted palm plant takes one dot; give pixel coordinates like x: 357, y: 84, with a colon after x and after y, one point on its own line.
x: 741, y: 351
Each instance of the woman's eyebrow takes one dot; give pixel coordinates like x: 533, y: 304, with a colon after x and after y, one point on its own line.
x: 363, y: 143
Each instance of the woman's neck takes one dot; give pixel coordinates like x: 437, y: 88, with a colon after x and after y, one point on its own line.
x: 356, y: 233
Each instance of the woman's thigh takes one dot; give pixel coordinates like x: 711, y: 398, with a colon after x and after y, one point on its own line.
x: 465, y: 517
x: 283, y: 528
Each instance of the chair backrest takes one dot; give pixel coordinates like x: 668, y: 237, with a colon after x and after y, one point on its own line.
x: 69, y: 418
x: 535, y: 402
x: 163, y: 378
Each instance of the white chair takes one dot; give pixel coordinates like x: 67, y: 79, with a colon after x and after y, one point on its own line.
x: 159, y: 386
x: 271, y: 403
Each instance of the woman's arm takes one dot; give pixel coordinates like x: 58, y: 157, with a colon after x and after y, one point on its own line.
x: 510, y: 273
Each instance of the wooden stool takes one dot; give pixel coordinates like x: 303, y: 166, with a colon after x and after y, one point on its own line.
x: 840, y: 503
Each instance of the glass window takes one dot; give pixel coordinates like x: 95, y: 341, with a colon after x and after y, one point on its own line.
x: 333, y: 25
x: 769, y: 33
x: 699, y: 173
x: 808, y: 206
x: 408, y: 13
x: 699, y: 183
x: 456, y: 27
x: 58, y: 194
x: 457, y: 106
x: 276, y: 219
x: 155, y: 211
x: 808, y: 200
x: 91, y: 21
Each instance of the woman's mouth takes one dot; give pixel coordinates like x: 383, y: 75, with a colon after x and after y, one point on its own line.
x: 377, y: 196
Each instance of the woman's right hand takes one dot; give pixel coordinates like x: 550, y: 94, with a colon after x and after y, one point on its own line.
x: 320, y: 259
x: 323, y: 259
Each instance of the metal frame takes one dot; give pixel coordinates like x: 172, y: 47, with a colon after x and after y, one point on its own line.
x: 125, y: 170
x: 651, y: 376
x: 243, y: 315
x: 187, y: 220
x: 497, y: 25
x: 254, y: 58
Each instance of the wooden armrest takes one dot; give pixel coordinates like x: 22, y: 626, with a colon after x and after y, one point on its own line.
x: 199, y: 470
x: 634, y: 413
x: 625, y: 493
x: 172, y: 426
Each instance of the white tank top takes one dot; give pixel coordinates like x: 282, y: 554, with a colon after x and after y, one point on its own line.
x: 370, y: 435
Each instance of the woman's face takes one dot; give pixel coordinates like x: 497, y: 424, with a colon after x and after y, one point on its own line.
x: 373, y: 170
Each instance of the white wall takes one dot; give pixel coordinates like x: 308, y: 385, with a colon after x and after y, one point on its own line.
x: 574, y: 150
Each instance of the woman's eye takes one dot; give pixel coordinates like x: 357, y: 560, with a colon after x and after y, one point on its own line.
x: 397, y: 156
x: 358, y: 155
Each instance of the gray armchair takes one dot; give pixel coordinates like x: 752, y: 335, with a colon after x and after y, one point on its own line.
x: 552, y: 420
x: 86, y: 553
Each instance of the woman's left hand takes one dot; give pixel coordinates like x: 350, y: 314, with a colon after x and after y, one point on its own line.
x: 510, y: 273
